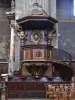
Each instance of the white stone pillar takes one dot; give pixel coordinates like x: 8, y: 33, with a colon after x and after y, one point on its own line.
x: 19, y: 8
x: 17, y: 53
x: 11, y: 63
x: 52, y: 8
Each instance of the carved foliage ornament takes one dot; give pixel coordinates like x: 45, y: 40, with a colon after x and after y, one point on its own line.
x: 37, y: 68
x: 37, y: 64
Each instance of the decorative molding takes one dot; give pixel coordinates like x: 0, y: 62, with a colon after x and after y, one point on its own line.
x: 37, y: 64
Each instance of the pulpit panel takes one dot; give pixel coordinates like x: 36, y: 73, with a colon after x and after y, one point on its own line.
x: 26, y: 54
x: 34, y: 54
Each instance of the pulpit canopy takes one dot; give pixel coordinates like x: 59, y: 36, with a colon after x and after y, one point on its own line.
x: 36, y: 18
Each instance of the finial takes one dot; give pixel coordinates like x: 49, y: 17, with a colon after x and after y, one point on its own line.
x: 36, y: 1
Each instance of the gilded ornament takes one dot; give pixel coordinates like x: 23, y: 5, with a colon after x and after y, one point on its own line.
x: 36, y: 36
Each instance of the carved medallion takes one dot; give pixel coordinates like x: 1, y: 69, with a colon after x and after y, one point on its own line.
x: 36, y: 36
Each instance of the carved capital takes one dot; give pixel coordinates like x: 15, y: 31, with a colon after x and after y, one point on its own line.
x: 12, y: 24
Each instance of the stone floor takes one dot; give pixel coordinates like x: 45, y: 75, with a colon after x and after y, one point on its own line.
x: 23, y: 99
x: 27, y: 99
x: 36, y: 99
x: 3, y: 98
x: 39, y: 99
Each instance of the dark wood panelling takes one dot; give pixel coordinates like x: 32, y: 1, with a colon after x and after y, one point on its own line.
x: 3, y: 67
x: 26, y: 89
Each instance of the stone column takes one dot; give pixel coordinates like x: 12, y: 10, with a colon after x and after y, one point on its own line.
x: 19, y: 8
x: 17, y: 53
x: 11, y: 17
x: 11, y: 63
x: 52, y: 8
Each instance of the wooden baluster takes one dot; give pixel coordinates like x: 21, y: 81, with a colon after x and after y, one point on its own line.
x: 61, y: 88
x: 67, y: 92
x: 64, y: 96
x: 50, y: 91
x: 63, y: 92
x: 58, y: 93
x: 72, y: 92
x: 53, y: 92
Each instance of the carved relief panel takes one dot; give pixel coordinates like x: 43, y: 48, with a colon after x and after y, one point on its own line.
x: 38, y: 53
x: 26, y: 53
x: 33, y: 54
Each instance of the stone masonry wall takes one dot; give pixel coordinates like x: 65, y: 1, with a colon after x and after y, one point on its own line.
x: 4, y: 34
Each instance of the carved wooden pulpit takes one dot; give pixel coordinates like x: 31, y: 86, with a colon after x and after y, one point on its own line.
x: 38, y: 56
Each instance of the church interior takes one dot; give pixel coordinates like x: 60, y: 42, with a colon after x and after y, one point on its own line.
x: 37, y: 49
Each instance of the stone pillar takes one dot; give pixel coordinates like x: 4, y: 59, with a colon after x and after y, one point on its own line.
x: 17, y: 53
x: 11, y: 17
x: 19, y: 8
x: 52, y: 8
x: 11, y: 63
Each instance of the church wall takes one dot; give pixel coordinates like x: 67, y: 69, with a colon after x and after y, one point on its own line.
x: 22, y: 6
x: 66, y: 25
x: 4, y: 36
x: 64, y: 9
x: 4, y: 31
